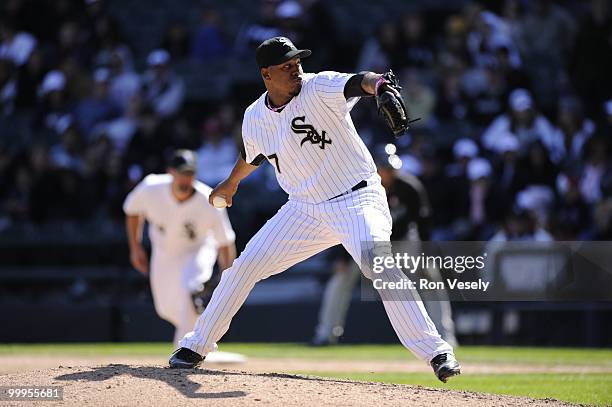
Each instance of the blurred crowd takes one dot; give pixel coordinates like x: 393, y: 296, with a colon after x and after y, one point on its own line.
x: 514, y: 99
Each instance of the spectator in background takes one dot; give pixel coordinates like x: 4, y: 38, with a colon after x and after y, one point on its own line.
x: 572, y: 215
x: 29, y: 79
x: 107, y: 40
x: 78, y: 78
x: 229, y: 124
x: 437, y: 187
x: 8, y: 87
x: 125, y: 84
x: 95, y: 159
x: 546, y: 36
x: 539, y: 168
x: 254, y: 33
x: 539, y: 201
x: 452, y: 53
x: 520, y: 225
x: 162, y: 89
x: 97, y: 108
x: 146, y: 148
x: 115, y: 187
x: 15, y: 45
x: 571, y: 133
x: 415, y: 42
x: 478, y: 206
x: 419, y: 98
x: 523, y: 121
x: 512, y: 12
x: 320, y: 31
x: 382, y: 51
x: 490, y: 33
x: 509, y: 172
x: 514, y: 77
x: 217, y: 154
x: 54, y: 110
x: 209, y: 42
x: 290, y: 15
x: 456, y: 174
x: 416, y: 148
x: 68, y: 153
x: 176, y: 40
x: 486, y: 92
x: 596, y: 164
x: 547, y: 33
x: 452, y: 102
x: 121, y: 130
x: 464, y: 150
x: 182, y: 135
x: 591, y: 57
x: 71, y: 44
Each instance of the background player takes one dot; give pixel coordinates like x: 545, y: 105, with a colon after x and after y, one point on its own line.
x: 303, y: 127
x: 186, y: 234
x: 411, y: 213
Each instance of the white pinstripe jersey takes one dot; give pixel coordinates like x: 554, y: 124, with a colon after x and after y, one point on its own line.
x: 312, y: 143
x: 178, y: 227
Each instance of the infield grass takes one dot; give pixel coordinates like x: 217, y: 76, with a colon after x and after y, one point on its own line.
x: 587, y: 388
x: 584, y: 388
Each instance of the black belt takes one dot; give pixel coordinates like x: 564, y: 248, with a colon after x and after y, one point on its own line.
x: 356, y: 187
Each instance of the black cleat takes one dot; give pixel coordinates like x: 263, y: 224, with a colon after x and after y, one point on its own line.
x: 184, y: 358
x: 445, y: 366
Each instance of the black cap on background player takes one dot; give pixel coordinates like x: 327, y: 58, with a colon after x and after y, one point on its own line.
x: 185, y: 161
x: 277, y: 50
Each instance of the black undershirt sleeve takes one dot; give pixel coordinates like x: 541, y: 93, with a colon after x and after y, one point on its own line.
x: 353, y: 88
x: 256, y: 162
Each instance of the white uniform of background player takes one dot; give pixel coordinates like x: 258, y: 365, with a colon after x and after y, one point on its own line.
x: 335, y: 197
x: 185, y: 237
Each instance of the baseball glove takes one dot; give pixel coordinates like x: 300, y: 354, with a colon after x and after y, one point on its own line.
x: 391, y: 105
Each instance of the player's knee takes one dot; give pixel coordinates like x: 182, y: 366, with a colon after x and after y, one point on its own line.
x: 253, y: 267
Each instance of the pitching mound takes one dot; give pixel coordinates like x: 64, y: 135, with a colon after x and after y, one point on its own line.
x: 120, y: 385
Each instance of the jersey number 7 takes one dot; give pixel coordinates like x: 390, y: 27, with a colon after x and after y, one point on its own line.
x: 275, y: 158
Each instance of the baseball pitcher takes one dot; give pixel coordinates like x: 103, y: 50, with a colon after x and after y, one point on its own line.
x: 302, y: 126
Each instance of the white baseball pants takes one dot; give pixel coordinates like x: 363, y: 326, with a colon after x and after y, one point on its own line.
x: 300, y: 230
x: 173, y: 279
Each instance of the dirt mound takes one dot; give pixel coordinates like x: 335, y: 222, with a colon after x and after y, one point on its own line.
x: 122, y: 385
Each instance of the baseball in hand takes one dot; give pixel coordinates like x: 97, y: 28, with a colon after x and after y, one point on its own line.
x: 219, y: 202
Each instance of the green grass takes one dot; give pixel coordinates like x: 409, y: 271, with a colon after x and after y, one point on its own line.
x: 472, y: 354
x: 588, y: 388
x: 591, y: 388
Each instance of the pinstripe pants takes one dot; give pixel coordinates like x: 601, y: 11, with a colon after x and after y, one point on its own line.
x: 300, y: 230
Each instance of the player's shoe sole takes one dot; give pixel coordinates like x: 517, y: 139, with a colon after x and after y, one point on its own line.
x: 184, y: 358
x: 445, y: 366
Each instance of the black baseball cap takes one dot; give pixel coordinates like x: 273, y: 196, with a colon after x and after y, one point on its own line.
x: 184, y: 161
x: 277, y: 50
